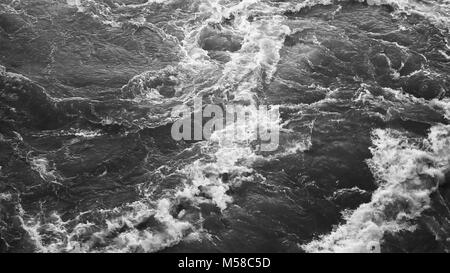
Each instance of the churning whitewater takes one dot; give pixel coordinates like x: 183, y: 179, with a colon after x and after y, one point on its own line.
x: 358, y: 91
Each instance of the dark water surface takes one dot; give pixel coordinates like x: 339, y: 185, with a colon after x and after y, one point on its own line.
x: 88, y: 164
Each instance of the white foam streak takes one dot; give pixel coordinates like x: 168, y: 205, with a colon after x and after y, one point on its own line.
x: 437, y: 11
x: 148, y: 240
x: 407, y: 173
x: 65, y: 237
x: 5, y: 196
x: 260, y: 52
x: 444, y: 104
x: 42, y: 166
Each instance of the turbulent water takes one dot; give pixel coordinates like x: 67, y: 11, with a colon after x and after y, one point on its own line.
x: 88, y: 164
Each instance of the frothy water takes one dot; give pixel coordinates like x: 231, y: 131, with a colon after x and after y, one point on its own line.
x: 357, y: 89
x: 407, y: 173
